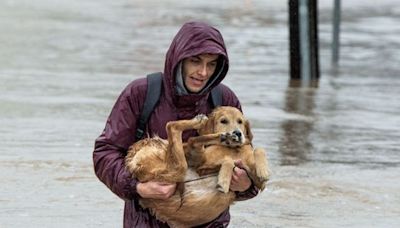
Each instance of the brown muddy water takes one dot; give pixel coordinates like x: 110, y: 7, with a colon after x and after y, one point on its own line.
x: 334, y: 150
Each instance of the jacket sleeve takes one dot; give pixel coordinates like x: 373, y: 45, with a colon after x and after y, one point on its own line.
x: 248, y: 194
x: 222, y: 221
x: 111, y: 146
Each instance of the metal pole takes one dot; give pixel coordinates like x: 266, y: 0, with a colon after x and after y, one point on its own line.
x: 295, y: 66
x: 304, y: 43
x: 314, y: 40
x: 336, y: 30
x: 304, y: 57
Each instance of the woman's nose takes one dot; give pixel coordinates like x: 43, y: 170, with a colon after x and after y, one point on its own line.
x: 203, y: 70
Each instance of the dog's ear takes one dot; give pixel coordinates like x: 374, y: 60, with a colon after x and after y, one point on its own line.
x: 208, y: 128
x: 249, y: 134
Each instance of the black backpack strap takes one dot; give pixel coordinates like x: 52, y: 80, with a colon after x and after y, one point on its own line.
x: 216, y: 96
x: 154, y: 82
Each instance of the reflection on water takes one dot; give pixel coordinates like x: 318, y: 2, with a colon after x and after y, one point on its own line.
x: 333, y: 149
x: 295, y: 144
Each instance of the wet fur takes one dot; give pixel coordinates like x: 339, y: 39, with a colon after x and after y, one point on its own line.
x: 213, y: 151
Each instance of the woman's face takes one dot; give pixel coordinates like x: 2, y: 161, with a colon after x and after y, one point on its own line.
x: 197, y: 70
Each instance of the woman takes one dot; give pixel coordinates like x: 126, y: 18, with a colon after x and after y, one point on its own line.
x: 195, y: 63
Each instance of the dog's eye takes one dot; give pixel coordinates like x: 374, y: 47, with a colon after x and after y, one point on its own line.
x: 224, y: 121
x: 240, y: 121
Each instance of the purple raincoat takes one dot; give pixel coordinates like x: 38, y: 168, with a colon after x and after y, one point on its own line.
x: 194, y: 38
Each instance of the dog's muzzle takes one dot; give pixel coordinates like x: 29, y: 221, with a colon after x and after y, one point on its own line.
x: 238, y: 133
x: 234, y: 138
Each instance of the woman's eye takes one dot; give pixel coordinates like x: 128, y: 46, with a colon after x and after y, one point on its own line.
x: 194, y: 60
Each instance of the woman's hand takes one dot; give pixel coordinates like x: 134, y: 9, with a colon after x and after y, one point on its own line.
x: 155, y: 190
x: 240, y: 182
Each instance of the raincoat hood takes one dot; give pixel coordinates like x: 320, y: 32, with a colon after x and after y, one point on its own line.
x: 194, y: 38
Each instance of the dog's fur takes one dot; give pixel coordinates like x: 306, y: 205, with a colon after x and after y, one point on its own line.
x: 224, y: 137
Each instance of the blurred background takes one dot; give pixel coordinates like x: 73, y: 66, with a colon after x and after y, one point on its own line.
x: 334, y: 150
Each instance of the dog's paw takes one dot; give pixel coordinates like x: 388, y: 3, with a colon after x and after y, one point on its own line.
x: 230, y: 139
x: 201, y: 117
x: 263, y: 175
x: 262, y: 186
x: 260, y: 180
x: 223, y: 187
x: 199, y: 120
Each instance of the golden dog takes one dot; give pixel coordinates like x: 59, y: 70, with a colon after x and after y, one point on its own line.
x: 224, y: 136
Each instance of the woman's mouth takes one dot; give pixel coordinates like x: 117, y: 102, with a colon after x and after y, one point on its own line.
x: 196, y: 82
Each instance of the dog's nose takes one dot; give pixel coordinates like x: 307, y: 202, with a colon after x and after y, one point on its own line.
x: 238, y: 133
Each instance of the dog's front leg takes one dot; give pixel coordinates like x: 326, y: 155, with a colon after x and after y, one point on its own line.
x: 225, y: 175
x: 175, y: 159
x: 200, y: 141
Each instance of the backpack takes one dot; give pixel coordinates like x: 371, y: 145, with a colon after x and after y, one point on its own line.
x: 154, y: 86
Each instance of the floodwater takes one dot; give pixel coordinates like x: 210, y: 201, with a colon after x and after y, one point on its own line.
x: 334, y: 150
